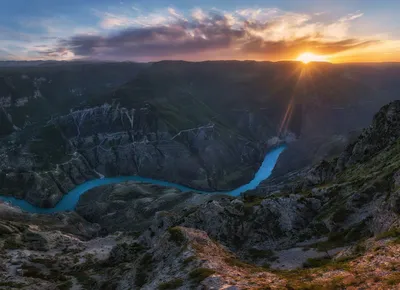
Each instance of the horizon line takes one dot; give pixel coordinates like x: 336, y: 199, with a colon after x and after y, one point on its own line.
x: 195, y: 61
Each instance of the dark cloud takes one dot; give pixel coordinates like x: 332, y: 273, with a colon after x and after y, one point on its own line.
x: 259, y: 26
x: 57, y: 52
x: 49, y: 38
x: 82, y: 45
x: 196, y: 37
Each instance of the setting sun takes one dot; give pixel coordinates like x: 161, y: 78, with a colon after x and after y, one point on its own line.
x: 310, y: 57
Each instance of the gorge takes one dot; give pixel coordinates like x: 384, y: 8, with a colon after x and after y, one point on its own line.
x: 208, y: 175
x: 204, y: 125
x: 69, y: 201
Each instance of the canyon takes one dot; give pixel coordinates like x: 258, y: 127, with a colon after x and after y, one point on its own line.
x: 327, y: 218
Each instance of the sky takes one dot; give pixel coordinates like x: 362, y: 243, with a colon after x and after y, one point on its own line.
x: 153, y: 30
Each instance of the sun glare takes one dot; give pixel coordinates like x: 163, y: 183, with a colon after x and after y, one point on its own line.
x: 310, y: 57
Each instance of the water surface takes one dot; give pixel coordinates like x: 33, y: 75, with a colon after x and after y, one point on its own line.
x: 69, y: 201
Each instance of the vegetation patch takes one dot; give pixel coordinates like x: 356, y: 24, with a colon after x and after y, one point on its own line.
x: 334, y: 284
x: 31, y: 271
x: 10, y: 284
x: 266, y: 266
x: 176, y: 235
x: 124, y: 253
x: 173, y: 284
x: 189, y: 260
x: 232, y: 261
x: 48, y: 146
x: 65, y: 285
x: 341, y: 215
x: 200, y: 274
x: 144, y: 267
x: 252, y: 200
x: 335, y: 240
x: 11, y: 244
x: 343, y: 238
x: 85, y: 280
x: 305, y: 278
x: 359, y: 249
x: 396, y: 241
x: 263, y: 254
x: 320, y: 228
x: 393, y: 280
x: 393, y: 233
x: 46, y: 262
x: 317, y: 262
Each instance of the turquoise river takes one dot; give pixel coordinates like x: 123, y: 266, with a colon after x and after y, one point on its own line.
x: 69, y: 201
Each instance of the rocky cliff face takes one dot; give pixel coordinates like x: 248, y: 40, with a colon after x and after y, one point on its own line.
x: 32, y: 93
x: 110, y: 140
x: 131, y: 206
x: 359, y: 187
x: 384, y: 132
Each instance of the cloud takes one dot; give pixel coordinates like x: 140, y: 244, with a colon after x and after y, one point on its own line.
x: 248, y: 33
x: 260, y: 15
x: 198, y: 14
x: 180, y: 38
x: 175, y: 14
x: 287, y: 49
x: 35, y: 38
x: 112, y: 21
x: 10, y: 34
x: 383, y: 51
x: 6, y: 55
x: 352, y: 16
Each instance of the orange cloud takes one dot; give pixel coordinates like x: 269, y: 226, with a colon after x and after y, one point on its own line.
x: 262, y: 34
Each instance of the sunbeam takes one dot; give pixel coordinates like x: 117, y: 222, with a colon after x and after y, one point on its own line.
x: 289, y: 110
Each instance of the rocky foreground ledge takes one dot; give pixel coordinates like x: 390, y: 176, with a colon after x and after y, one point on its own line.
x: 323, y: 227
x: 56, y: 256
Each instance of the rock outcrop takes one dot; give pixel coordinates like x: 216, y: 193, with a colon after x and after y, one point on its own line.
x: 177, y: 258
x: 384, y: 132
x: 131, y: 206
